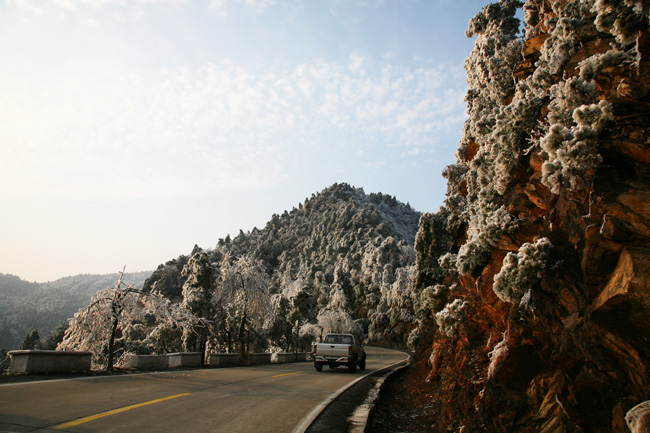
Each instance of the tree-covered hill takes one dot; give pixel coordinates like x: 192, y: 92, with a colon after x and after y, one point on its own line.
x: 25, y: 306
x: 341, y: 245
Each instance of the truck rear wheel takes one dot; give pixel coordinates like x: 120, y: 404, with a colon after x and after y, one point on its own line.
x: 362, y: 364
x: 319, y: 366
x: 352, y: 366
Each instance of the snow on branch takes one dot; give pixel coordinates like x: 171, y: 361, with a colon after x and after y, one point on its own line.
x: 451, y: 317
x: 520, y: 271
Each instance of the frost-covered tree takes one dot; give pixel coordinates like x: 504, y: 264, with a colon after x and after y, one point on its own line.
x: 167, y: 337
x: 335, y: 317
x: 431, y: 301
x: 571, y: 145
x: 338, y: 321
x: 122, y: 312
x: 244, y: 297
x: 489, y: 147
x: 54, y: 338
x: 95, y: 327
x: 432, y: 241
x: 198, y: 293
x: 568, y: 137
x: 522, y: 270
x: 291, y: 310
x: 279, y: 328
x: 451, y: 317
x: 302, y: 307
x: 622, y: 18
x: 31, y: 341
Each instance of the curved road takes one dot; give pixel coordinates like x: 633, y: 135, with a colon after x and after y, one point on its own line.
x: 269, y: 398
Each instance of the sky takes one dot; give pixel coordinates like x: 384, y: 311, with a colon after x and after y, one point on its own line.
x: 131, y: 130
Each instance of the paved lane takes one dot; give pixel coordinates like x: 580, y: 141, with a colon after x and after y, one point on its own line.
x: 271, y: 398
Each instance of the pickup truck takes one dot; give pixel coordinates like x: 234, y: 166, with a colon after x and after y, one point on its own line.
x: 339, y: 349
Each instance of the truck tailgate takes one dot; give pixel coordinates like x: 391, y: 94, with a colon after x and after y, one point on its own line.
x: 332, y: 350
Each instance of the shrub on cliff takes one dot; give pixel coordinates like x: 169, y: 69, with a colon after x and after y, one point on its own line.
x: 520, y: 271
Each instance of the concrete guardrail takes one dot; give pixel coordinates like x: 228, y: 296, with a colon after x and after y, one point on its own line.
x: 282, y: 357
x: 184, y: 359
x: 224, y: 359
x: 51, y: 361
x: 259, y: 358
x: 146, y: 362
x: 48, y: 361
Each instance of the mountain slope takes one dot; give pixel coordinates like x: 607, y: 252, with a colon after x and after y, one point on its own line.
x: 26, y: 306
x: 340, y: 240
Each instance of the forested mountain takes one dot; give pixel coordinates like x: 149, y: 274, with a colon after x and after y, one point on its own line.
x: 339, y: 244
x: 341, y: 261
x: 25, y: 306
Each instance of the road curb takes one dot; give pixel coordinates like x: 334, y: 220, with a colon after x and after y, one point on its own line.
x: 359, y: 419
x: 307, y: 421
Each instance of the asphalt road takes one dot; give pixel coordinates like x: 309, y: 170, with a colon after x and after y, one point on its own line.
x: 270, y: 398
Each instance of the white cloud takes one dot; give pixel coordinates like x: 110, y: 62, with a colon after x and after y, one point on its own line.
x: 190, y: 132
x: 136, y: 9
x: 218, y: 6
x: 356, y: 63
x: 29, y: 5
x: 137, y: 13
x: 259, y: 4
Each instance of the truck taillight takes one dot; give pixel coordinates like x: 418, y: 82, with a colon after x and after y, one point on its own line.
x: 314, y: 349
x: 350, y: 350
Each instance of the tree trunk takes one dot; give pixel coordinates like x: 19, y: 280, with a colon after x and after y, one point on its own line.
x: 242, y: 340
x: 111, y: 344
x: 204, y: 348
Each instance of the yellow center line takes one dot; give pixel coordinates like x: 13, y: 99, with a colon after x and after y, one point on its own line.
x: 113, y: 412
x: 287, y: 374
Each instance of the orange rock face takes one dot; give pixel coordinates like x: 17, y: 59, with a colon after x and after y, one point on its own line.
x: 571, y: 353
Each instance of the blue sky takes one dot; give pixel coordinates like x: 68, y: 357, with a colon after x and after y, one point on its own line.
x: 132, y: 130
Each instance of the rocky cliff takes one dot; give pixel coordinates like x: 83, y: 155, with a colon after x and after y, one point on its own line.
x: 535, y: 276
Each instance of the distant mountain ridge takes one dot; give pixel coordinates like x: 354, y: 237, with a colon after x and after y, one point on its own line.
x: 26, y: 306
